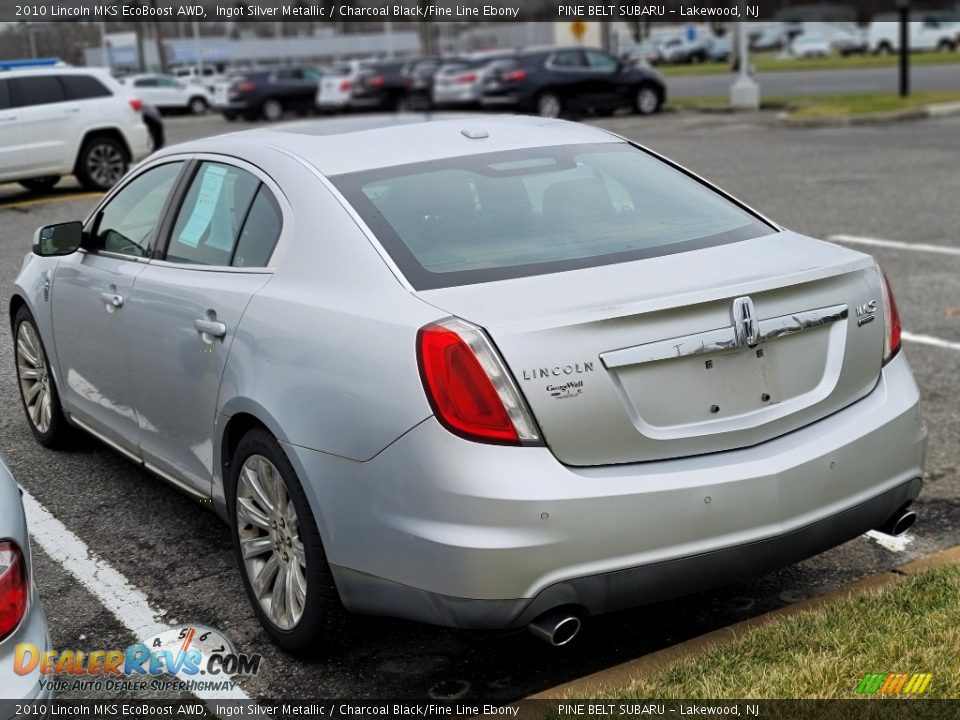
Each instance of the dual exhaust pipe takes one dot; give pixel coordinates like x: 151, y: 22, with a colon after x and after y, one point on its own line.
x: 560, y: 627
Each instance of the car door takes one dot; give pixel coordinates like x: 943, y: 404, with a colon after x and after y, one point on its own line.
x: 89, y: 296
x: 13, y: 154
x: 53, y: 121
x: 609, y: 86
x: 569, y: 75
x: 186, y: 307
x: 175, y: 94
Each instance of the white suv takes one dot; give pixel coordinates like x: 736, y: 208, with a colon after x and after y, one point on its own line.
x: 62, y: 121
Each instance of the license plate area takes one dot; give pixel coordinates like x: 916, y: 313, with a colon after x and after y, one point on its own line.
x: 730, y: 390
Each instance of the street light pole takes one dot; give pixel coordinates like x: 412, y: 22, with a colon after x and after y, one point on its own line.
x: 744, y: 93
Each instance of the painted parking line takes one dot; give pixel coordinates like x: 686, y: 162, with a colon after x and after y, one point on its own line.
x: 122, y: 598
x: 930, y: 340
x: 895, y: 244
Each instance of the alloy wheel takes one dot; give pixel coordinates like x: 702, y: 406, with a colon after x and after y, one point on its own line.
x: 270, y: 542
x: 32, y: 372
x: 105, y: 164
x: 647, y: 101
x: 548, y: 106
x: 272, y: 110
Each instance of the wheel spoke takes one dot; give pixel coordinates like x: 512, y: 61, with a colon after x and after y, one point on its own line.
x: 253, y: 482
x: 294, y: 606
x: 33, y: 392
x: 278, y: 598
x: 28, y: 372
x: 299, y: 584
x: 256, y: 546
x: 261, y: 583
x: 27, y: 352
x: 249, y: 515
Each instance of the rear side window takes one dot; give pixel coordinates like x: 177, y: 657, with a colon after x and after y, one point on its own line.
x: 146, y: 82
x: 227, y: 218
x: 83, y: 87
x: 541, y: 210
x: 4, y: 95
x: 37, y: 90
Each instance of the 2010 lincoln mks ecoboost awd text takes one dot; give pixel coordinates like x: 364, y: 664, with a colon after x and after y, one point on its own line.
x: 477, y: 372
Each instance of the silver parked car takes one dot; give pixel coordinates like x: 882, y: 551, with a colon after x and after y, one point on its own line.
x: 480, y: 372
x: 22, y: 621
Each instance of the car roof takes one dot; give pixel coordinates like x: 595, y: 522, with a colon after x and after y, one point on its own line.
x: 349, y: 145
x: 54, y: 70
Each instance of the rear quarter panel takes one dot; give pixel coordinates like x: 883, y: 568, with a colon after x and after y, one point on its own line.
x: 325, y: 353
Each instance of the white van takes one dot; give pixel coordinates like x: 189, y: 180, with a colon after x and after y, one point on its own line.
x: 928, y: 34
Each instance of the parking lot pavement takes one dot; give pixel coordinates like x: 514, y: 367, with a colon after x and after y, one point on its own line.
x: 896, y: 182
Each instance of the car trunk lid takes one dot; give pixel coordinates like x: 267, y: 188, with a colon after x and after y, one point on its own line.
x: 643, y: 360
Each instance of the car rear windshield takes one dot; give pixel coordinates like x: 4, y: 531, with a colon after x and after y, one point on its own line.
x: 480, y: 218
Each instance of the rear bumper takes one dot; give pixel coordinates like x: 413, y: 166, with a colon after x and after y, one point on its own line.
x: 446, y: 531
x: 24, y: 688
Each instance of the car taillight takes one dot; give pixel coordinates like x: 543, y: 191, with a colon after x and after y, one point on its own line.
x: 466, y: 78
x: 515, y: 76
x: 13, y: 587
x: 375, y: 81
x: 136, y: 105
x: 345, y: 85
x: 468, y: 386
x: 891, y: 321
x: 244, y: 87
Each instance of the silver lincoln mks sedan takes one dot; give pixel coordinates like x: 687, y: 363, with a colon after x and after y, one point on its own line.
x: 479, y: 372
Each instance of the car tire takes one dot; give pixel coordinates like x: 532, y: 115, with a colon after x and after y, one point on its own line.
x: 648, y: 99
x: 197, y: 106
x: 549, y: 105
x: 43, y: 410
x: 40, y: 184
x: 292, y: 545
x: 102, y: 162
x: 271, y: 110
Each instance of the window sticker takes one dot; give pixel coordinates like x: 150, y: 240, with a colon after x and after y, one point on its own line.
x: 211, y: 185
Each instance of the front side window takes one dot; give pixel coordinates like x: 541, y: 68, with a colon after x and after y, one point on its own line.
x: 227, y: 218
x: 127, y: 224
x: 535, y: 211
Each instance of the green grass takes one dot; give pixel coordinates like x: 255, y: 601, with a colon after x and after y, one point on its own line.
x: 830, y: 105
x: 768, y: 61
x: 909, y: 626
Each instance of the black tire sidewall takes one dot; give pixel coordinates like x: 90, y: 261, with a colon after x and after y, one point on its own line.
x: 84, y: 177
x: 197, y: 102
x: 323, y: 614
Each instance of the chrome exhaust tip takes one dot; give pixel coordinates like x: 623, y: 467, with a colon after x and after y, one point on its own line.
x: 557, y: 627
x: 898, y: 523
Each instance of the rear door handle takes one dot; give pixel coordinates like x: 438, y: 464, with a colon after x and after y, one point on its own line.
x: 212, y: 328
x: 112, y: 299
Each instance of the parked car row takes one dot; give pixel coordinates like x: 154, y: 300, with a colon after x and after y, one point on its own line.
x: 546, y: 81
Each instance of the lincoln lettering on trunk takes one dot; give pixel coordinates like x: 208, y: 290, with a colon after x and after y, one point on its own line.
x: 558, y: 370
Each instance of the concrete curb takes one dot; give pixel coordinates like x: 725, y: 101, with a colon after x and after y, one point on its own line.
x: 619, y: 675
x: 924, y: 111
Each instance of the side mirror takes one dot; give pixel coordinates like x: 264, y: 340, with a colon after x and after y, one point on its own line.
x: 59, y: 239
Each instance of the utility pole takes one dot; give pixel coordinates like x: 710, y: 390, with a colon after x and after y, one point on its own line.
x: 903, y: 10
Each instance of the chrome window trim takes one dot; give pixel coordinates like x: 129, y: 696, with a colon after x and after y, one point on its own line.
x: 721, y: 339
